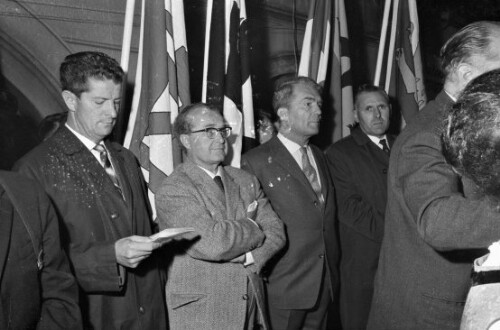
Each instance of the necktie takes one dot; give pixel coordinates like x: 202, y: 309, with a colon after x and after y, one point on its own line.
x: 108, y: 167
x: 385, y: 147
x: 219, y: 183
x: 310, y: 173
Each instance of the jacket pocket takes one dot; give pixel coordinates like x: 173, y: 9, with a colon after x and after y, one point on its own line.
x: 182, y: 299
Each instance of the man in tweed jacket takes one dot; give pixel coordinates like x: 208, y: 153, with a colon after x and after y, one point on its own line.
x: 213, y: 280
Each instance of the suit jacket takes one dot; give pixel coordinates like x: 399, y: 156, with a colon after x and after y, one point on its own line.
x: 94, y: 216
x: 432, y: 233
x: 359, y: 172
x: 296, y: 274
x: 30, y: 297
x: 204, y: 289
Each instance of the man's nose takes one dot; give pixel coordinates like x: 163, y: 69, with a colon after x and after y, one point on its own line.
x: 112, y: 109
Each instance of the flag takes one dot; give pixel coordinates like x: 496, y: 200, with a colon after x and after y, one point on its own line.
x: 226, y: 72
x: 410, y: 90
x: 316, y: 43
x: 161, y: 89
x: 322, y: 47
x: 341, y: 81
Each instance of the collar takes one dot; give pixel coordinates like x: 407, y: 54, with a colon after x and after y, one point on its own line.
x: 219, y: 172
x: 89, y: 144
x: 376, y: 139
x: 290, y: 145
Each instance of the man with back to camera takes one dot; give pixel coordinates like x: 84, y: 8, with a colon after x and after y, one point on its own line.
x: 214, y: 278
x: 101, y: 200
x: 358, y: 165
x: 37, y: 289
x: 294, y: 175
x: 432, y: 231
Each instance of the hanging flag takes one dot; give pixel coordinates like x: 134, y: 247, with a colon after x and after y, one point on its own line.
x: 410, y: 90
x: 341, y: 81
x: 161, y: 89
x: 226, y: 72
x: 316, y: 43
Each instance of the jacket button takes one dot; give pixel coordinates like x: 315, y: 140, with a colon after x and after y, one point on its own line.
x: 315, y: 203
x: 141, y: 310
x: 245, y: 297
x: 384, y: 171
x: 113, y: 216
x: 321, y: 256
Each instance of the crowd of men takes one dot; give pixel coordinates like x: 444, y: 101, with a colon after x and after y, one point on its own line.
x: 378, y: 232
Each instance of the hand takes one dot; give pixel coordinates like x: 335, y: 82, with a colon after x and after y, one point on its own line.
x: 130, y: 251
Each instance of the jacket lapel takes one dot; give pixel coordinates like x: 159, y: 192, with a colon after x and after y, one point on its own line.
x: 6, y: 215
x: 288, y: 163
x: 234, y: 206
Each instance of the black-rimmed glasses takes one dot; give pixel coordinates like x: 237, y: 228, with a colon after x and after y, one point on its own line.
x: 211, y: 132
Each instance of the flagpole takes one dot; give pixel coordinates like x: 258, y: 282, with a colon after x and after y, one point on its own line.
x: 127, y: 34
x: 207, y: 46
x: 392, y: 43
x: 381, y: 45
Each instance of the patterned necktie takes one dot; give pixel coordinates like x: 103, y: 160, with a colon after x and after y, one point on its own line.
x: 218, y: 181
x: 103, y: 154
x: 310, y: 173
x: 385, y: 147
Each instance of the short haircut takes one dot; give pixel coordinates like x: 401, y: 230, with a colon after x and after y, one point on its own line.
x: 182, y: 125
x: 77, y: 68
x: 471, y: 133
x: 282, y: 94
x: 369, y: 88
x: 473, y: 40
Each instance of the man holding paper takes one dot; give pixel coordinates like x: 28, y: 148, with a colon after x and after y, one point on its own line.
x: 214, y: 277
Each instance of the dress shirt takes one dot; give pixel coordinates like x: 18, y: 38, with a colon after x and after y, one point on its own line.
x: 294, y: 149
x: 376, y: 140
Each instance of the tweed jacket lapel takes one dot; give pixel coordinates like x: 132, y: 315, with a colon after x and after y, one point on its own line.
x: 6, y: 215
x: 284, y: 159
x: 234, y: 206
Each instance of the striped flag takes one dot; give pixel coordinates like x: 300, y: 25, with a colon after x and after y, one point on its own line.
x: 410, y: 90
x: 318, y: 49
x: 161, y: 88
x: 316, y: 44
x: 226, y: 72
x: 341, y: 81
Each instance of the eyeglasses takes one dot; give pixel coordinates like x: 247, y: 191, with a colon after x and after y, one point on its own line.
x: 211, y: 132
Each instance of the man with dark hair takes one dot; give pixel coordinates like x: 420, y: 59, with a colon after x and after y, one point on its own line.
x: 295, y: 177
x: 433, y: 232
x: 214, y: 279
x: 101, y: 199
x: 37, y: 289
x: 358, y: 165
x: 471, y: 135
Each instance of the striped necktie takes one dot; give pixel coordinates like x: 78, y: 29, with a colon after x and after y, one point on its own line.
x: 310, y: 173
x: 103, y: 154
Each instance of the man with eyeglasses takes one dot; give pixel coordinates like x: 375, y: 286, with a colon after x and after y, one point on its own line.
x: 214, y: 277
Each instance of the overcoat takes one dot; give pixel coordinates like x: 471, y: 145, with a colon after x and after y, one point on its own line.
x: 93, y: 216
x: 359, y: 173
x: 432, y: 232
x: 205, y: 290
x: 36, y: 285
x: 295, y: 278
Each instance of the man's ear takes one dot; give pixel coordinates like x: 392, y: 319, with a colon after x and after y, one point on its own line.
x: 465, y: 73
x: 185, y: 141
x: 70, y: 100
x: 282, y: 114
x: 355, y: 113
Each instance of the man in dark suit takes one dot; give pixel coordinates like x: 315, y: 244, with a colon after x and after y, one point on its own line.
x: 433, y: 232
x: 101, y: 200
x: 213, y: 280
x: 358, y: 165
x: 37, y: 289
x: 295, y: 178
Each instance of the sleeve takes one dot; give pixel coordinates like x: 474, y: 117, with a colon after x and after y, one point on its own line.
x: 213, y: 240
x: 271, y: 225
x: 60, y: 308
x: 432, y: 193
x: 354, y: 211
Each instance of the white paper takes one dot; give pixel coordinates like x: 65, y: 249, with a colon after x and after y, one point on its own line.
x: 169, y: 233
